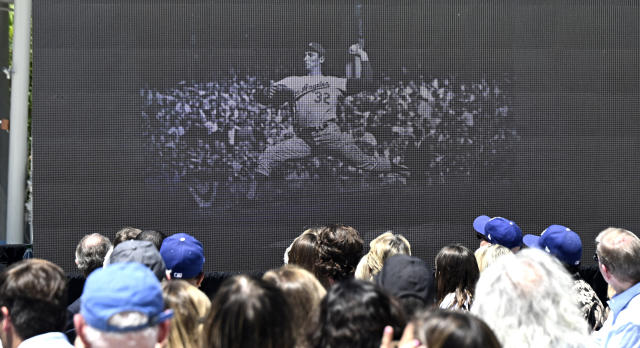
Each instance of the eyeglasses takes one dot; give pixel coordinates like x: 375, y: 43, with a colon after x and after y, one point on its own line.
x: 595, y: 257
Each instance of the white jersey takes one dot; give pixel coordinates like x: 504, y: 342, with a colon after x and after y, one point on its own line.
x: 316, y: 97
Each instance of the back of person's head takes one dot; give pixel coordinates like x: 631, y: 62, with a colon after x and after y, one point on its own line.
x: 248, y: 312
x: 528, y: 301
x: 383, y: 246
x: 190, y: 307
x: 354, y: 314
x: 619, y: 250
x: 126, y: 233
x: 451, y: 329
x: 339, y: 251
x: 303, y: 292
x: 488, y: 254
x: 91, y: 251
x: 153, y: 236
x: 456, y: 272
x: 410, y: 280
x: 122, y: 306
x: 33, y: 293
x: 139, y: 251
x: 303, y: 252
x: 184, y: 257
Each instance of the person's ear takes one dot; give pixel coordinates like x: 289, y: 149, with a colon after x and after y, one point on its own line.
x: 605, y: 272
x: 7, y: 325
x: 163, y: 331
x: 80, y: 324
x: 200, y: 279
x: 321, y: 59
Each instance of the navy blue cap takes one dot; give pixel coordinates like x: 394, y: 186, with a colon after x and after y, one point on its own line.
x: 183, y: 255
x: 499, y: 230
x: 122, y: 287
x: 559, y: 241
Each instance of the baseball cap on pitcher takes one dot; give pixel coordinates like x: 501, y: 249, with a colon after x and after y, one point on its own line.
x: 316, y: 47
x: 499, y: 230
x: 558, y: 241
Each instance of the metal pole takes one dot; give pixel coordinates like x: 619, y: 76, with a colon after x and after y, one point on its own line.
x: 18, y: 136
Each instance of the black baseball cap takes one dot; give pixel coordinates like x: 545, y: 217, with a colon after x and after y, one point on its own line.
x: 407, y: 276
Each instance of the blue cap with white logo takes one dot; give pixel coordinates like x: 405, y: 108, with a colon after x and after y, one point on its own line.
x: 183, y: 255
x: 118, y: 288
x: 499, y: 230
x: 559, y: 241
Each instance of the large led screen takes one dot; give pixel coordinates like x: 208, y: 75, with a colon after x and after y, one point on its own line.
x: 244, y: 122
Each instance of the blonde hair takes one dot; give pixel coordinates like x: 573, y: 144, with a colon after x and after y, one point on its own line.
x: 304, y: 293
x: 384, y: 246
x: 488, y: 254
x: 190, y: 307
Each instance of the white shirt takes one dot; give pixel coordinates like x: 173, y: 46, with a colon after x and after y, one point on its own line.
x: 49, y: 340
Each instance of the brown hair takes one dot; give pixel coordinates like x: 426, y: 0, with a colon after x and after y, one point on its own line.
x: 453, y: 329
x: 304, y: 250
x: 303, y: 292
x: 457, y: 272
x: 339, y: 250
x: 126, y: 233
x: 190, y: 306
x: 248, y: 312
x: 35, y: 292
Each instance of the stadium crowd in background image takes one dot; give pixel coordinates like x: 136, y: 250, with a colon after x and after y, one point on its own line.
x: 209, y: 137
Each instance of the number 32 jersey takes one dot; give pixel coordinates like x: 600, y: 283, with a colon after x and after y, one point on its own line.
x: 316, y: 97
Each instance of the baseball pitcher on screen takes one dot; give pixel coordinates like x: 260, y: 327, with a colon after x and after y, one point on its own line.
x: 315, y: 97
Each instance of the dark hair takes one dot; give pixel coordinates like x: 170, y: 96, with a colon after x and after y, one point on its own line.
x: 453, y: 329
x: 155, y: 237
x: 339, y: 251
x: 91, y: 251
x: 126, y: 233
x: 353, y: 314
x: 457, y: 272
x: 411, y: 305
x: 248, y: 312
x: 35, y: 292
x: 304, y: 250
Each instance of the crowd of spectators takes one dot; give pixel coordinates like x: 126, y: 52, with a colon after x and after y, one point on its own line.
x: 207, y: 137
x: 516, y: 291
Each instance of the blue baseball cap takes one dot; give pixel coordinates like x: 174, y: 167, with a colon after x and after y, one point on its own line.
x: 183, y: 255
x: 558, y: 241
x: 122, y: 287
x: 499, y: 230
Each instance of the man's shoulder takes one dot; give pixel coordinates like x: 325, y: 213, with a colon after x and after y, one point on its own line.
x: 635, y: 304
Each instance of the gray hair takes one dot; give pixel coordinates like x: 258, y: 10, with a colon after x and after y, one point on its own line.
x: 145, y: 338
x: 528, y: 301
x: 91, y: 251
